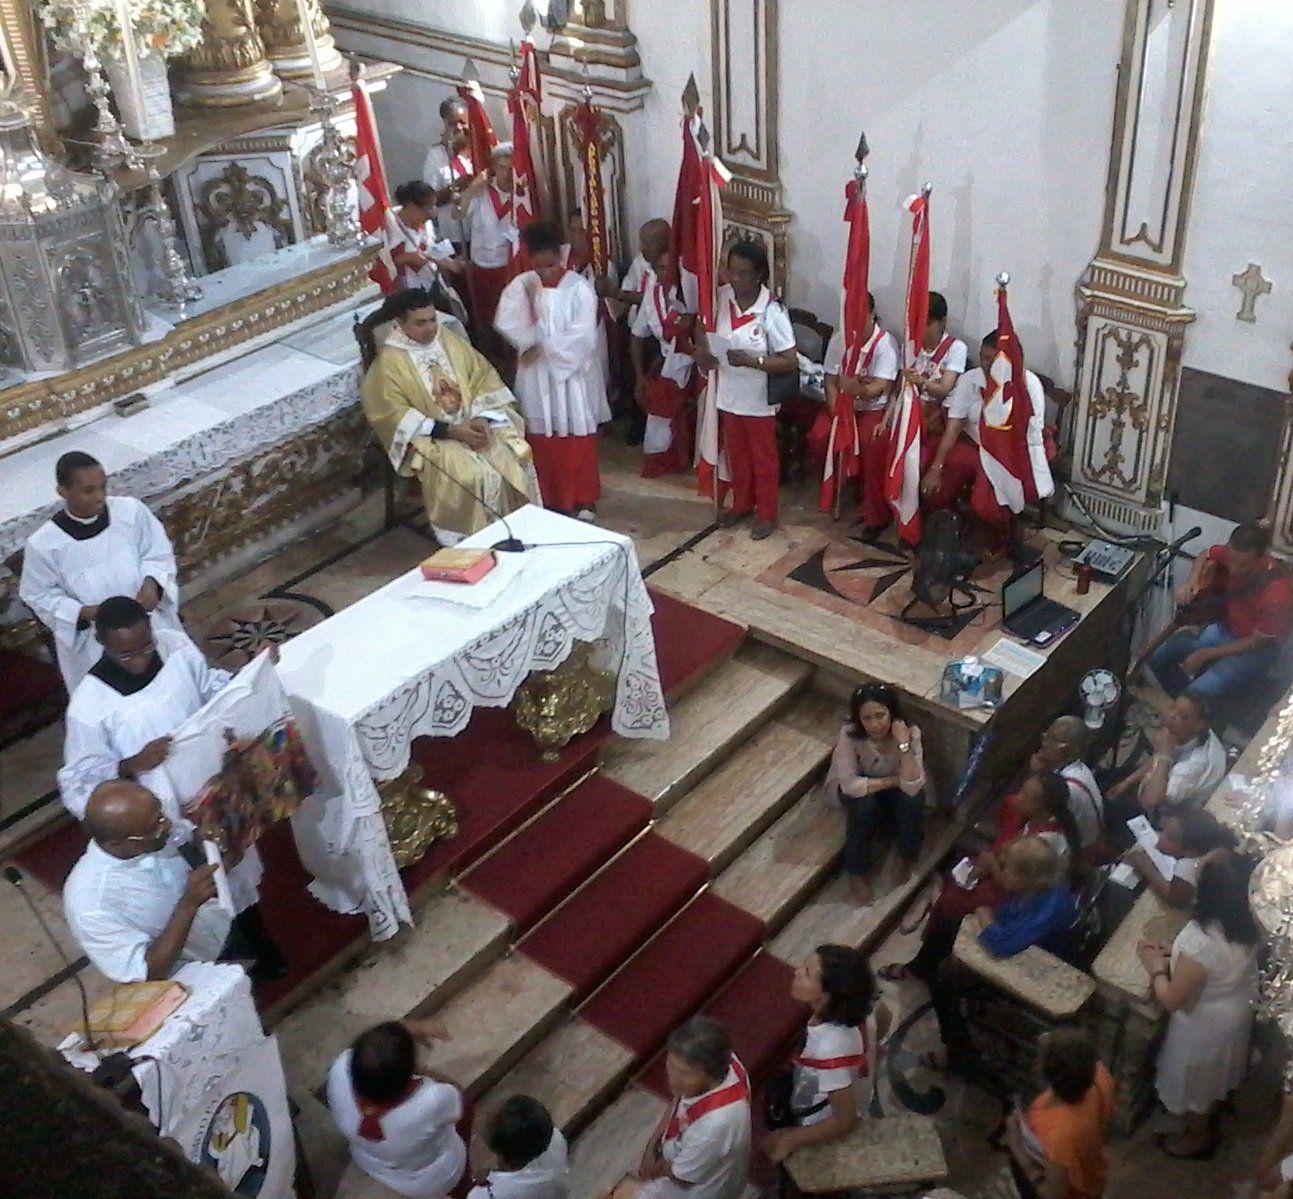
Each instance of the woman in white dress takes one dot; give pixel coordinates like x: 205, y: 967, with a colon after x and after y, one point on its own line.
x: 834, y: 1072
x: 1207, y: 980
x: 400, y: 1121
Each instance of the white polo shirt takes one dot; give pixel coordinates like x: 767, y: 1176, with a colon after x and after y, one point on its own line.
x: 440, y: 170
x: 763, y: 328
x: 955, y: 358
x: 834, y: 1058
x: 711, y: 1153
x: 546, y: 1177
x: 966, y: 403
x: 1085, y: 801
x: 117, y: 907
x: 878, y: 360
x: 1196, y: 771
x: 652, y: 314
x: 492, y: 236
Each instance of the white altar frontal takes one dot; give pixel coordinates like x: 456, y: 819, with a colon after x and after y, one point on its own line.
x: 415, y: 659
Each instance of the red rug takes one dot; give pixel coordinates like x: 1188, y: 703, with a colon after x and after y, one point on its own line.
x: 602, y: 926
x: 544, y: 863
x: 31, y: 693
x: 758, y: 1013
x: 675, y: 974
x: 688, y: 641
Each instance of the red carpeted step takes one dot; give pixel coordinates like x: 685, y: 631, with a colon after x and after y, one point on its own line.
x: 497, y: 779
x: 758, y: 1013
x: 610, y: 919
x: 688, y: 640
x: 52, y: 857
x: 674, y: 975
x: 539, y: 867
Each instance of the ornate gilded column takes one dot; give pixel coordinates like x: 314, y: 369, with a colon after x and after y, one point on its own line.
x: 22, y: 52
x: 745, y: 80
x: 229, y: 69
x: 1132, y: 314
x: 279, y: 23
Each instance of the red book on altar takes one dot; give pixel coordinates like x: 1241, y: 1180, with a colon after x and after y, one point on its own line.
x: 458, y: 566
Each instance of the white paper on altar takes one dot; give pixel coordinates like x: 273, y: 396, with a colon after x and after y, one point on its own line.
x: 393, y: 666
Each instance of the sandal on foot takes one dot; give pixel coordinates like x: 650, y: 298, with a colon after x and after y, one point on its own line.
x: 895, y: 972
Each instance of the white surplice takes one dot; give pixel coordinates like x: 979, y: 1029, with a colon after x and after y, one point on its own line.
x: 562, y: 393
x: 61, y: 575
x: 104, y: 727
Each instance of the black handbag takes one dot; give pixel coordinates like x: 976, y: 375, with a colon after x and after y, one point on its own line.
x: 783, y: 388
x: 778, y: 1111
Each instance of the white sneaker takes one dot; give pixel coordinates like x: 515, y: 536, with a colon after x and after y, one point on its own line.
x: 586, y: 514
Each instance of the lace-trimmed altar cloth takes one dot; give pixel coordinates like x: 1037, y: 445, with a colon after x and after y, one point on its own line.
x: 400, y: 664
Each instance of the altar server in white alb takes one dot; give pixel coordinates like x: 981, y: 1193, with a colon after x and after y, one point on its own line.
x: 701, y: 1150
x: 119, y: 723
x: 550, y: 315
x: 98, y: 545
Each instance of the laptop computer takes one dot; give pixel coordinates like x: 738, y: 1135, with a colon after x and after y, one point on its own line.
x: 1026, y: 613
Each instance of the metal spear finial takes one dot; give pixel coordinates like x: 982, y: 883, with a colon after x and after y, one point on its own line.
x: 925, y: 189
x: 470, y: 73
x: 1003, y: 279
x: 863, y: 149
x: 690, y: 97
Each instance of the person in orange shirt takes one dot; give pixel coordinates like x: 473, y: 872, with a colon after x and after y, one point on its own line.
x: 1057, y: 1145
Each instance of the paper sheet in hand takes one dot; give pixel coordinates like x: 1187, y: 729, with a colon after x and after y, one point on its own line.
x: 961, y: 873
x: 1013, y: 658
x: 474, y: 595
x: 224, y: 897
x: 1147, y: 839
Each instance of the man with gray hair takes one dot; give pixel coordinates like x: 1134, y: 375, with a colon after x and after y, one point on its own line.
x: 1063, y: 743
x: 702, y: 1147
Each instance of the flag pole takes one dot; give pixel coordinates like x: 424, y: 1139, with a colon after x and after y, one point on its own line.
x: 859, y: 197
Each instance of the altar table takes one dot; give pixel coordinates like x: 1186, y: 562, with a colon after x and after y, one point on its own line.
x: 410, y: 661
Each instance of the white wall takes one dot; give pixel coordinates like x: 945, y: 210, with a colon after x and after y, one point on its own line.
x: 1004, y: 105
x: 1241, y: 211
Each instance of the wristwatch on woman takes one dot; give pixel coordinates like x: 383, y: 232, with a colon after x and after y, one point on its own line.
x: 904, y: 747
x: 760, y: 360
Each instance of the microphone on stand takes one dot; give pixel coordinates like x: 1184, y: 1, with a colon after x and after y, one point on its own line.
x: 13, y: 876
x: 511, y: 544
x: 1175, y: 548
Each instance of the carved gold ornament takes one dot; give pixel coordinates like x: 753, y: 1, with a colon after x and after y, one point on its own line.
x: 555, y: 705
x: 416, y: 816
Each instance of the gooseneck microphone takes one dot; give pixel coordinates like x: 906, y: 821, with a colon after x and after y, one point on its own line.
x: 14, y: 877
x: 510, y: 544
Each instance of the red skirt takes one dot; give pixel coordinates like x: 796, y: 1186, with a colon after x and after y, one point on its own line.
x: 486, y: 285
x: 567, y: 470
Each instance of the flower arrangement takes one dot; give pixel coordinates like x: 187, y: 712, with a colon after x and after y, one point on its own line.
x: 165, y: 27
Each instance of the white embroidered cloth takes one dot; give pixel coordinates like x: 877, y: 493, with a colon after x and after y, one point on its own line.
x: 399, y: 664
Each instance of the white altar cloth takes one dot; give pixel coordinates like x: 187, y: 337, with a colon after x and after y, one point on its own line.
x: 400, y: 664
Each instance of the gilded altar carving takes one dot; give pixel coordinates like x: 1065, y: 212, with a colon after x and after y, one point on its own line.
x: 34, y: 404
x: 1123, y: 407
x: 229, y: 69
x: 416, y: 816
x: 265, y: 492
x: 279, y: 22
x: 316, y: 181
x: 555, y: 705
x: 237, y: 202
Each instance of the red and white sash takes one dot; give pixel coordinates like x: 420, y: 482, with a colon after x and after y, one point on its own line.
x: 848, y: 1061
x: 502, y: 209
x: 734, y: 1092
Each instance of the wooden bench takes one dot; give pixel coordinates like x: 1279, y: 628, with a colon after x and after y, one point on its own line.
x: 895, y: 1152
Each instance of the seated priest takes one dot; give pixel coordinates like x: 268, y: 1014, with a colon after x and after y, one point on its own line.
x: 962, y: 466
x: 1256, y: 602
x: 119, y: 722
x: 98, y: 545
x: 444, y: 417
x: 141, y: 902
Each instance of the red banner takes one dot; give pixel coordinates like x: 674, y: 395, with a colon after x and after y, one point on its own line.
x: 370, y: 186
x: 1007, y: 409
x: 588, y: 124
x: 902, y: 476
x: 480, y: 133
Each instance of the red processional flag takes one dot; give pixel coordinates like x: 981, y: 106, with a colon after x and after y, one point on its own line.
x: 697, y: 241
x: 480, y: 133
x: 370, y: 186
x: 1007, y: 412
x: 523, y: 102
x: 843, y: 451
x: 588, y: 127
x: 902, y: 475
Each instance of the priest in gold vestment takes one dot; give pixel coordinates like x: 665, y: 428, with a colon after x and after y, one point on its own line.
x: 444, y: 416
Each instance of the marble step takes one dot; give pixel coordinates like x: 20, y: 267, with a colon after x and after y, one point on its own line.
x: 727, y: 811
x: 774, y: 877
x: 454, y: 942
x: 708, y: 724
x: 611, y: 1146
x: 496, y: 1020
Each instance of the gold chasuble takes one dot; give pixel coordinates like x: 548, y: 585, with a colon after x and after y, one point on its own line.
x: 411, y: 385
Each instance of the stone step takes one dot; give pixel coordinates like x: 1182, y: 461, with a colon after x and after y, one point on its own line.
x: 727, y: 811
x: 708, y: 724
x: 774, y: 876
x: 453, y: 944
x: 611, y: 1146
x: 496, y: 1020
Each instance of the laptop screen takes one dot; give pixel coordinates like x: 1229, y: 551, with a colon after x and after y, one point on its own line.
x: 1021, y: 589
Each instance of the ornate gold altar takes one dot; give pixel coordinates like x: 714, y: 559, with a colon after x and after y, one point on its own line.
x: 555, y: 705
x: 416, y: 816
